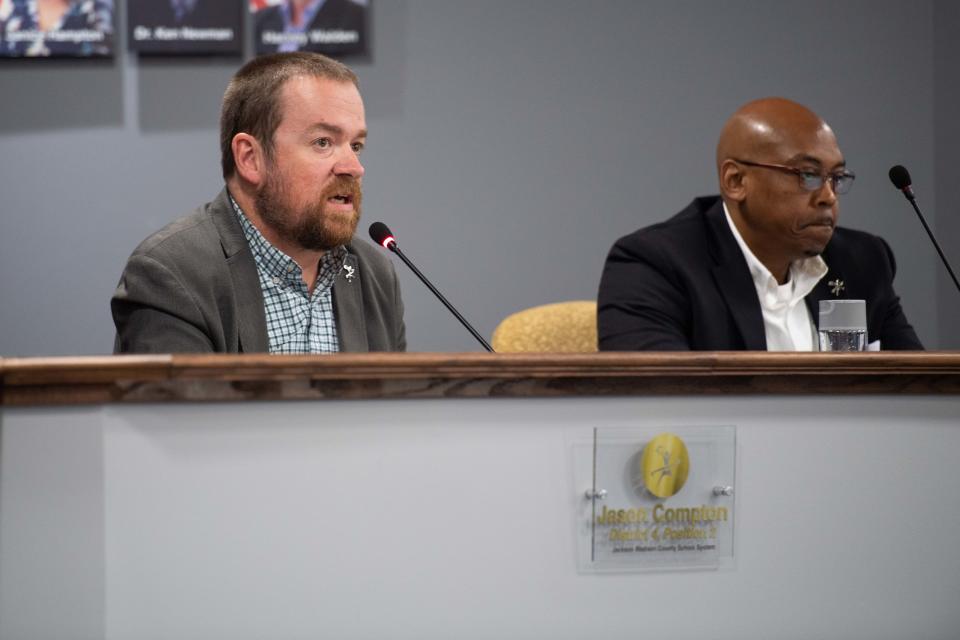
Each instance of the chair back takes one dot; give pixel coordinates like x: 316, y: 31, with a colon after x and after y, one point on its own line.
x: 569, y: 327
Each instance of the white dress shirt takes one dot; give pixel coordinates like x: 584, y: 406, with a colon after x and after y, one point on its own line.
x: 786, y: 320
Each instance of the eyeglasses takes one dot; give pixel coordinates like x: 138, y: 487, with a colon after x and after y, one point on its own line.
x: 840, y: 182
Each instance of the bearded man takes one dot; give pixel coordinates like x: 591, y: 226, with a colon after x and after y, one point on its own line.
x: 270, y: 264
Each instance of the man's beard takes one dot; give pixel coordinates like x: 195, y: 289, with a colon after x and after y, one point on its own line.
x: 311, y: 228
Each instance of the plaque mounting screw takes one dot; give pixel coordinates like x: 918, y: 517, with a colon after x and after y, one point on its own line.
x: 596, y: 494
x: 723, y: 491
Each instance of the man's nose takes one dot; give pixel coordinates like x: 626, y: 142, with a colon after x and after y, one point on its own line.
x: 348, y: 164
x: 826, y: 195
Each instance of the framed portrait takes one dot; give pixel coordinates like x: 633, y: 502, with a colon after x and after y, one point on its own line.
x: 332, y: 27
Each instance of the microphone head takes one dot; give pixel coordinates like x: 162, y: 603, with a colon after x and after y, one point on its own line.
x: 381, y: 234
x: 900, y: 177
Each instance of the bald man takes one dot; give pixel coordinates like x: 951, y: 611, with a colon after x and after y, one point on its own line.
x: 746, y: 270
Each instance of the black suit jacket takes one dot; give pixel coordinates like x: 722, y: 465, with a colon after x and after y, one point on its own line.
x: 193, y: 287
x: 334, y: 14
x: 684, y: 284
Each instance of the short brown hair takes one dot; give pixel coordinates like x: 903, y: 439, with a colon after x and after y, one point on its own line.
x: 251, y: 103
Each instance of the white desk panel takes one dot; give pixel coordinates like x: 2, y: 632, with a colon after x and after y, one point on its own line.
x: 455, y: 519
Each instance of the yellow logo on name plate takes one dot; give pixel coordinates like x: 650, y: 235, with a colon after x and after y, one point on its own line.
x: 665, y: 465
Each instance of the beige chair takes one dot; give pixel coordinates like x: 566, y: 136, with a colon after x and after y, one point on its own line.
x: 551, y: 328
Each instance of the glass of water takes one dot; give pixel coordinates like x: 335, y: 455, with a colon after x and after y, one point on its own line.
x: 843, y: 325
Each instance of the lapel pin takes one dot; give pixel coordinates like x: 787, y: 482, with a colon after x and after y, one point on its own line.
x: 349, y: 275
x: 836, y: 286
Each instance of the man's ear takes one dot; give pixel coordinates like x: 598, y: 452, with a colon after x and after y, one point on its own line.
x: 249, y: 158
x: 732, y: 181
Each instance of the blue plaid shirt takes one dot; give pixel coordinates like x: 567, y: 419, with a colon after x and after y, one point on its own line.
x: 297, y: 322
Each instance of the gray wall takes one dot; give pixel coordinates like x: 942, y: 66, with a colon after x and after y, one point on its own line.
x: 511, y: 143
x: 946, y: 166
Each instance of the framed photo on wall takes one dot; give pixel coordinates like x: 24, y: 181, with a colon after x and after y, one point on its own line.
x: 332, y: 27
x: 193, y: 27
x: 56, y: 28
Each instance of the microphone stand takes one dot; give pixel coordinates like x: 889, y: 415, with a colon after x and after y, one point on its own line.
x: 393, y: 247
x: 908, y: 192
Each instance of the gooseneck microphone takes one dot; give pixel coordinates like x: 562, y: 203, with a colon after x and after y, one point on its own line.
x: 900, y: 178
x: 381, y: 234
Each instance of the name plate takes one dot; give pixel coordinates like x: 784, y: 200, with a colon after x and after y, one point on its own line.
x: 661, y: 499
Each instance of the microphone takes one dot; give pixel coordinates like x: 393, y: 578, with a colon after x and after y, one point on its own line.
x: 381, y: 234
x: 900, y: 178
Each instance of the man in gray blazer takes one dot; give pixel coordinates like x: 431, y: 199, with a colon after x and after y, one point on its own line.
x: 270, y: 264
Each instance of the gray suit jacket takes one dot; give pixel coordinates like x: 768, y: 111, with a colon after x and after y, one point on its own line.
x: 193, y: 287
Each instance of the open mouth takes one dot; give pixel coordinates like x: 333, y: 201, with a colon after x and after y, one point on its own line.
x: 341, y: 199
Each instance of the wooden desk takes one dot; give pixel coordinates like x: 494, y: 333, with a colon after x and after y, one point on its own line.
x: 436, y: 495
x: 119, y: 379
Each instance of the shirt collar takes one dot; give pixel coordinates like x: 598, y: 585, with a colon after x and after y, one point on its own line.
x: 277, y: 264
x: 804, y: 274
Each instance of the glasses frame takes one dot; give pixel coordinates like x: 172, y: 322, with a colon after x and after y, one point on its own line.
x: 806, y: 176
